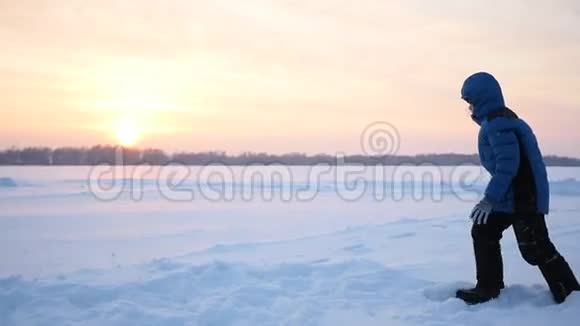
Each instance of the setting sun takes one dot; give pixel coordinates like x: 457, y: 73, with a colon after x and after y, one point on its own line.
x: 127, y: 133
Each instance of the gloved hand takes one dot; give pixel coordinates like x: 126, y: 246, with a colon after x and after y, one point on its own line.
x: 481, y: 212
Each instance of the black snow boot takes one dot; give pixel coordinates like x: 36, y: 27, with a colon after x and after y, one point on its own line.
x: 560, y: 279
x: 477, y: 295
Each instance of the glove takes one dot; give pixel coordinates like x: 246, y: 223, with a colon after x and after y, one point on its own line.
x: 481, y: 212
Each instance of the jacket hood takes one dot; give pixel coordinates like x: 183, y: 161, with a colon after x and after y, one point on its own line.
x: 482, y: 91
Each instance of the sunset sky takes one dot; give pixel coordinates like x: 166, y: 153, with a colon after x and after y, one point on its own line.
x: 281, y: 76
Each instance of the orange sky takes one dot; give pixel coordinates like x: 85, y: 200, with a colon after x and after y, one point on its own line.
x: 281, y: 76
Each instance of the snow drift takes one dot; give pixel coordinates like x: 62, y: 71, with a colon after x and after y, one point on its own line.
x: 7, y: 183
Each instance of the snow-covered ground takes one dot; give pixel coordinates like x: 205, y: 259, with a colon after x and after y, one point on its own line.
x: 332, y: 257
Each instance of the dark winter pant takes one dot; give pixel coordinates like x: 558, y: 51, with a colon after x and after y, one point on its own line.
x: 534, y: 244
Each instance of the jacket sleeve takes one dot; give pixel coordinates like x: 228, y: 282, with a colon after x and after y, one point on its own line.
x: 506, y: 150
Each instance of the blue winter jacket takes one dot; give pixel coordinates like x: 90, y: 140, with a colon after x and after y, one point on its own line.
x: 508, y: 149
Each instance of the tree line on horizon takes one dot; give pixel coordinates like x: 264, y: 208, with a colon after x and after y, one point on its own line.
x: 100, y: 154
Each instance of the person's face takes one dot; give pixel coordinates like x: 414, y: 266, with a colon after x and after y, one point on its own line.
x: 471, y: 108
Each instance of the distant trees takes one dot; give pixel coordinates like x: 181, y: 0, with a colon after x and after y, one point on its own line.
x: 36, y: 156
x: 115, y: 155
x: 154, y: 157
x: 69, y: 156
x: 200, y: 158
x: 100, y: 155
x: 562, y: 161
x: 10, y: 157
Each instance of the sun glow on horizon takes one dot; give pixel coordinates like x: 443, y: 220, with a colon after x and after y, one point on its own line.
x: 137, y: 97
x: 127, y: 132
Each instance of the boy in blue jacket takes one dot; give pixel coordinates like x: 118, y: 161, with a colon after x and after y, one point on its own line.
x: 517, y: 195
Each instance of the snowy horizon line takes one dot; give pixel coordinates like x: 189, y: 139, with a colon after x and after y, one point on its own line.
x: 109, y: 154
